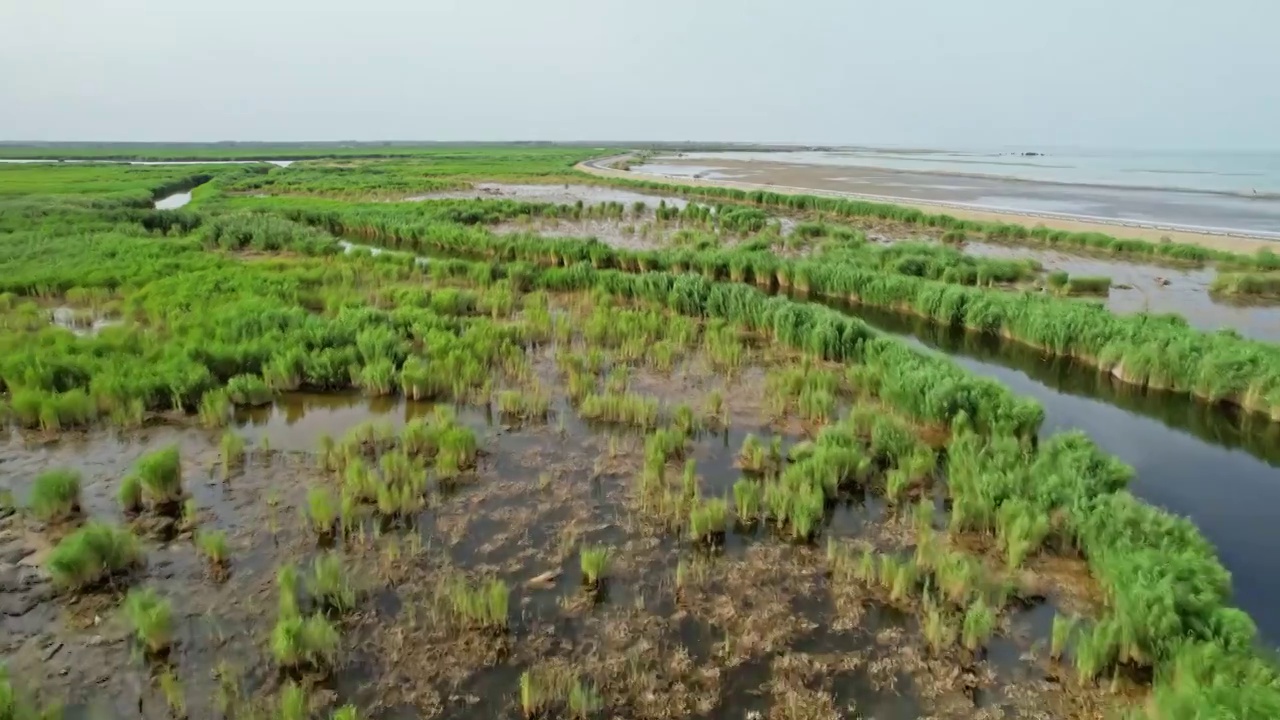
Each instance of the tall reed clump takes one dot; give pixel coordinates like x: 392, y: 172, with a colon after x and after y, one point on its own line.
x: 55, y: 495
x: 322, y: 511
x: 310, y: 642
x: 160, y: 474
x: 232, y: 446
x: 480, y: 606
x: 92, y: 555
x: 707, y: 521
x: 747, y: 497
x: 594, y: 560
x: 151, y: 618
x: 330, y: 585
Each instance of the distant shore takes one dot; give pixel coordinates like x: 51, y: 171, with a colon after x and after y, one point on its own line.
x: 897, y: 187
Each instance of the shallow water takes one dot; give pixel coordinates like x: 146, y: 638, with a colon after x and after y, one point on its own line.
x: 174, y: 201
x: 1184, y: 292
x: 1220, y: 470
x: 561, y: 194
x: 770, y: 598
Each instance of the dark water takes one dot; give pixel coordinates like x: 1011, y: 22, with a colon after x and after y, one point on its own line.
x: 1195, y: 460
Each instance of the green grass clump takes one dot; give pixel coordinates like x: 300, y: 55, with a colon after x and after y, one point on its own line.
x: 294, y: 703
x: 1057, y: 279
x: 55, y: 496
x: 151, y: 618
x: 304, y: 642
x: 1087, y: 285
x: 1063, y: 629
x: 623, y: 408
x: 92, y: 555
x: 15, y: 706
x: 594, y: 560
x: 160, y: 474
x: 483, y: 606
x: 322, y: 511
x: 129, y: 494
x: 707, y: 521
x: 212, y: 544
x: 249, y: 390
x: 330, y: 585
x: 747, y: 497
x: 979, y: 623
x: 232, y: 446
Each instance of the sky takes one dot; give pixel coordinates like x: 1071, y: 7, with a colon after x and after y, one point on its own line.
x: 1167, y: 74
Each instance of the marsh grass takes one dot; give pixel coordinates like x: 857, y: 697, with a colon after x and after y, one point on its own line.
x: 707, y: 521
x: 160, y: 473
x: 524, y: 405
x: 553, y: 691
x: 979, y: 624
x: 129, y: 493
x: 322, y: 511
x: 1063, y: 629
x: 481, y: 606
x: 330, y: 584
x: 626, y: 409
x: 232, y: 446
x: 310, y: 642
x: 294, y: 703
x: 747, y: 498
x: 1086, y: 285
x: 595, y: 561
x: 151, y: 618
x: 212, y: 544
x: 55, y: 495
x: 94, y: 554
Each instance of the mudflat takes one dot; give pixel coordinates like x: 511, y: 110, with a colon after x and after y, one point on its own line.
x: 1232, y: 224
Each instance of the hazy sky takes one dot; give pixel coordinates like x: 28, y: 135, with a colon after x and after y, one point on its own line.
x: 1171, y: 74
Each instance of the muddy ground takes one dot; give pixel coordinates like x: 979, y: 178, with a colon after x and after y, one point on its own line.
x: 758, y: 627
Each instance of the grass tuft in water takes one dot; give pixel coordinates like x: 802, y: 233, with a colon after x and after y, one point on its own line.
x: 55, y: 496
x: 151, y: 618
x: 330, y: 585
x: 594, y: 560
x: 91, y: 555
x: 212, y: 544
x: 160, y: 473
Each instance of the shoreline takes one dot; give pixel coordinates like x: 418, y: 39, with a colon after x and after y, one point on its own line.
x: 1229, y: 241
x: 1012, y: 179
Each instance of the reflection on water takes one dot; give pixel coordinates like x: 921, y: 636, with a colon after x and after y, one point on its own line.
x: 296, y: 421
x: 1200, y: 461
